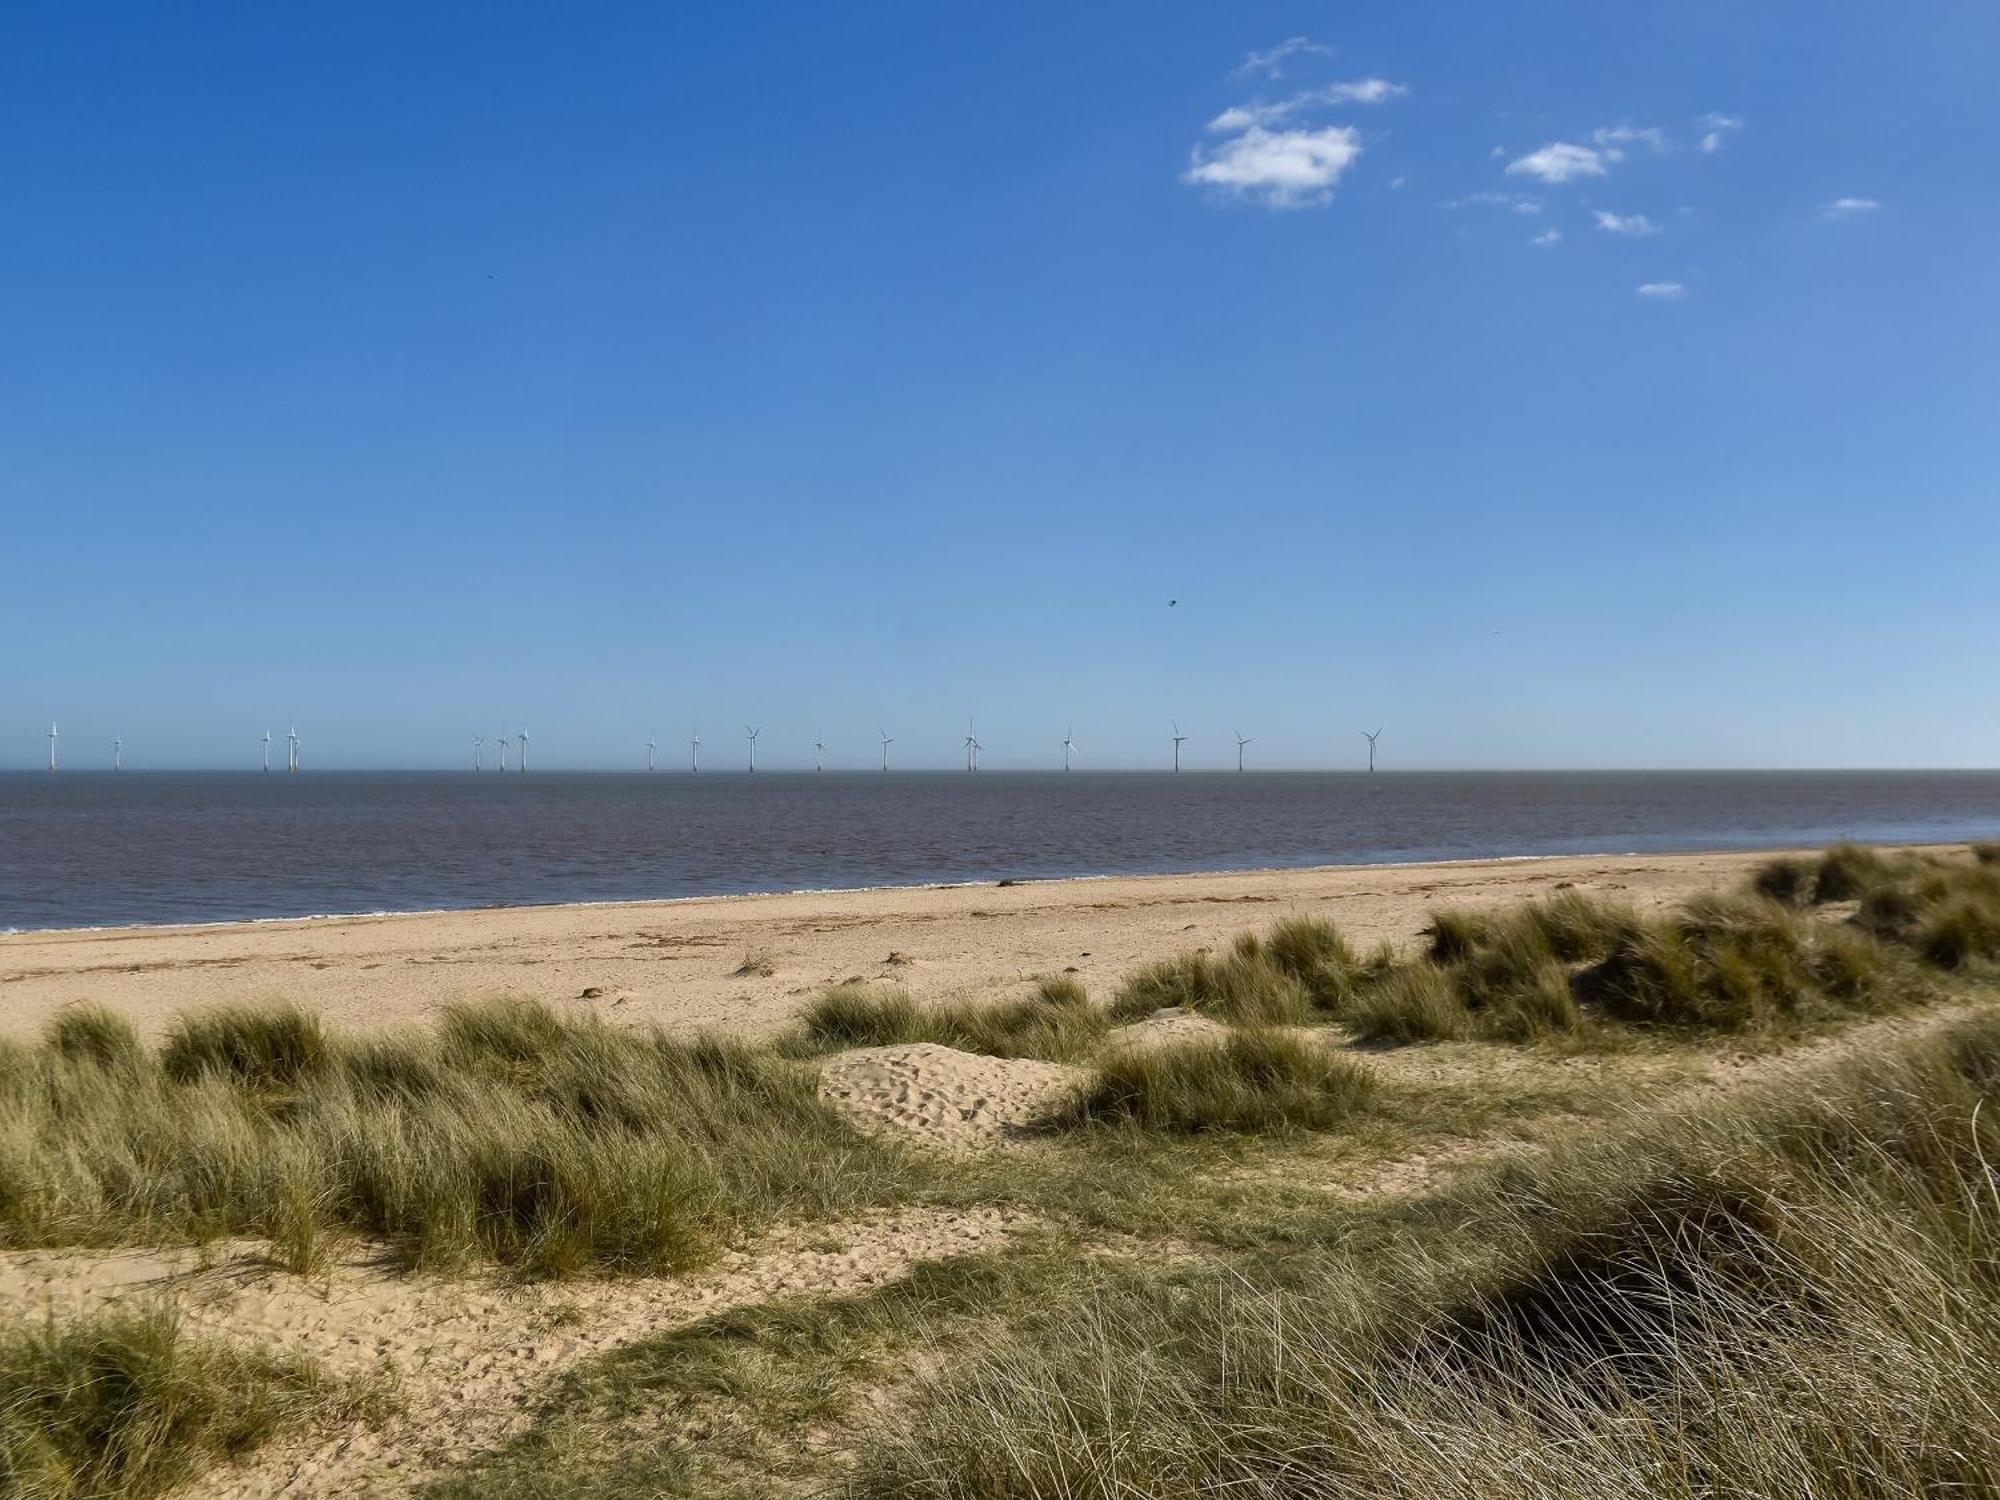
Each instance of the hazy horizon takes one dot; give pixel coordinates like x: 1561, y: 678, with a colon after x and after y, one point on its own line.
x: 1190, y: 767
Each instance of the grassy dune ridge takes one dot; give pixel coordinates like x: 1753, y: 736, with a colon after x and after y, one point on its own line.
x: 1781, y: 1295
x: 1777, y: 957
x: 509, y: 1134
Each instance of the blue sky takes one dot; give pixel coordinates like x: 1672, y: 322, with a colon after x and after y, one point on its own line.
x: 406, y: 372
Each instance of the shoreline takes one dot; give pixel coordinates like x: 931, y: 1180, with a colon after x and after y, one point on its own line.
x: 117, y: 929
x: 120, y: 929
x: 746, y: 964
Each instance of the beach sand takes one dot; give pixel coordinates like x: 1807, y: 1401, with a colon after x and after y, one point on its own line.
x: 746, y: 964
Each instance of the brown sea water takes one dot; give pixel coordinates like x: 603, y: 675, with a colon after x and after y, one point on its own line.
x: 87, y: 849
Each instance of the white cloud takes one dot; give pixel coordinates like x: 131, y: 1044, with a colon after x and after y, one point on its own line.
x: 1548, y: 239
x: 1278, y: 168
x: 1634, y: 225
x: 1362, y: 91
x: 1397, y: 182
x: 1842, y: 208
x: 1714, y: 127
x: 1663, y: 290
x: 1271, y: 63
x: 1561, y: 161
x: 1520, y: 203
x: 1628, y: 135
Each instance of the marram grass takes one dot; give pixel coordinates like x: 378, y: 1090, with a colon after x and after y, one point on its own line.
x: 1779, y: 1295
x: 1249, y: 1080
x: 1057, y: 1022
x: 122, y: 1405
x: 511, y: 1134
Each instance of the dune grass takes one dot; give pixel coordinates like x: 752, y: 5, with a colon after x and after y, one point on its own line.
x: 1783, y: 1294
x: 122, y: 1405
x: 511, y: 1134
x: 1775, y: 957
x: 1057, y: 1023
x: 1763, y: 960
x: 1301, y: 970
x: 1248, y: 1080
x: 1244, y: 987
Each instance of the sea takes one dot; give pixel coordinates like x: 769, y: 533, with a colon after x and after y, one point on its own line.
x: 103, y: 848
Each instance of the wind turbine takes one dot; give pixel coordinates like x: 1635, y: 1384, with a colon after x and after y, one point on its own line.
x: 1069, y: 746
x: 888, y: 739
x: 752, y: 736
x: 477, y: 741
x: 1371, y: 738
x: 522, y: 740
x: 819, y: 754
x: 652, y: 746
x: 117, y: 754
x: 1178, y: 737
x: 292, y: 752
x: 503, y: 749
x: 52, y: 747
x: 694, y: 751
x: 1240, y: 743
x: 972, y: 746
x: 267, y: 752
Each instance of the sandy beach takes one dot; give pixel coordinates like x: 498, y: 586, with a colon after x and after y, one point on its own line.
x: 747, y: 963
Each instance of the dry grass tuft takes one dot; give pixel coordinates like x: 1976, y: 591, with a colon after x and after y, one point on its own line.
x: 1057, y: 1023
x: 124, y: 1405
x: 1249, y: 1080
x: 1242, y: 988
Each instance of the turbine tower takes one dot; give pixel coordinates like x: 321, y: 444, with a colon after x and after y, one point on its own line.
x: 52, y: 747
x: 694, y: 751
x: 117, y: 754
x: 503, y: 749
x: 1371, y: 738
x: 652, y: 747
x: 887, y: 740
x: 752, y: 734
x: 477, y: 741
x: 292, y: 750
x: 1240, y: 743
x: 522, y: 739
x: 267, y: 752
x: 1069, y: 747
x: 1178, y: 737
x: 972, y: 746
x: 819, y: 754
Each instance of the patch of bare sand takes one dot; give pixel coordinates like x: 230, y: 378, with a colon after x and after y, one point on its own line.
x: 1164, y: 1028
x: 467, y: 1357
x: 942, y: 1096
